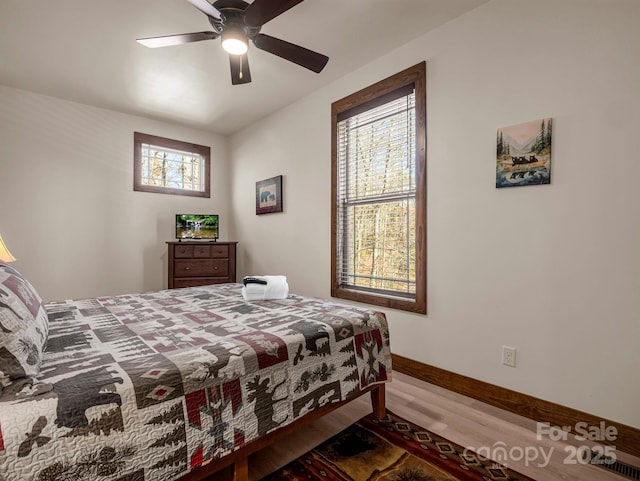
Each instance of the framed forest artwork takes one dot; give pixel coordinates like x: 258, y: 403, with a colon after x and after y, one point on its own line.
x: 524, y: 154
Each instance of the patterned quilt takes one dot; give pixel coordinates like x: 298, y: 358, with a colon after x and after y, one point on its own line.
x: 149, y: 386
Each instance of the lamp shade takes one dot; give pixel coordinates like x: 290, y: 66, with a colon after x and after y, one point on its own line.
x: 5, y: 255
x: 234, y: 40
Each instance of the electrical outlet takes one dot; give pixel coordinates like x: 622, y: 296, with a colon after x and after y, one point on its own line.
x: 509, y: 356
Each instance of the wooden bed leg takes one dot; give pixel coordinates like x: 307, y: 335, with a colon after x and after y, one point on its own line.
x: 378, y: 401
x: 240, y: 470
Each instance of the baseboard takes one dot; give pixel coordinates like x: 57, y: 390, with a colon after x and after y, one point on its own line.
x: 628, y: 439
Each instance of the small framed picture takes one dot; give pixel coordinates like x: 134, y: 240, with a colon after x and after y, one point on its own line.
x: 524, y: 154
x: 269, y: 195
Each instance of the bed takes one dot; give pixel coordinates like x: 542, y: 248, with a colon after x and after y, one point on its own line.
x: 173, y: 384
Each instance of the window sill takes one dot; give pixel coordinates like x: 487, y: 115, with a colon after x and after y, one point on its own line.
x: 418, y: 306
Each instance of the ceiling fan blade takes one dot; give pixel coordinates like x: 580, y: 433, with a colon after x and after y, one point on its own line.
x: 169, y: 40
x: 261, y: 11
x: 206, y: 8
x: 294, y: 53
x: 240, y: 73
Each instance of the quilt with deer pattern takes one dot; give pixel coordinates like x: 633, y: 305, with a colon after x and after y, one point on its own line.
x: 150, y: 386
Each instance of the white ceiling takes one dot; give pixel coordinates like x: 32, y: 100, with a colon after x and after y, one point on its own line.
x: 85, y: 51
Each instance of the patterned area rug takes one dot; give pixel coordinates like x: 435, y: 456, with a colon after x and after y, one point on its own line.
x: 391, y: 449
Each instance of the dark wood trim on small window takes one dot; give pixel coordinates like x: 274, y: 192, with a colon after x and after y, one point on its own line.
x: 415, y: 76
x: 204, y: 151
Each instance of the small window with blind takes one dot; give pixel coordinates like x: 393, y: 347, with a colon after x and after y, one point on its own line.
x: 378, y: 209
x: 169, y: 166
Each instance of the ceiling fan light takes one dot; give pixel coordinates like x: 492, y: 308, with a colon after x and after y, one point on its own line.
x: 234, y: 46
x: 234, y: 41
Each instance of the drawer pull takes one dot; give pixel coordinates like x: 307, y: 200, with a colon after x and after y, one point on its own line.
x: 187, y: 268
x: 215, y: 268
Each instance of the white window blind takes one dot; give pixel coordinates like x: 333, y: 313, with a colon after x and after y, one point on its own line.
x: 376, y: 195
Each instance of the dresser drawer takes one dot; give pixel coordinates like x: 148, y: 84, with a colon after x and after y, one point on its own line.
x: 198, y: 281
x: 200, y: 251
x: 201, y: 268
x: 219, y: 250
x: 181, y: 252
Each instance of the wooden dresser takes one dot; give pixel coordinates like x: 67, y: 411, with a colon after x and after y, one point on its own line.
x: 193, y: 263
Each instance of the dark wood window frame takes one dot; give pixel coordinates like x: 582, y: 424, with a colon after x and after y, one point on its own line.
x: 139, y: 139
x: 359, y: 102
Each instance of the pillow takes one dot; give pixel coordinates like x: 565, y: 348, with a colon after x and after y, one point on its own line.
x: 23, y: 327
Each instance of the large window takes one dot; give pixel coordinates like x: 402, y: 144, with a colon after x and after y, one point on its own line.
x: 378, y: 207
x: 169, y: 166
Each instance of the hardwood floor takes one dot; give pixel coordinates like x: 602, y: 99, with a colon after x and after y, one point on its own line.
x: 458, y: 418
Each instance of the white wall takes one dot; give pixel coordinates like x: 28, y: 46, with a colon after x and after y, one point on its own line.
x: 68, y: 211
x: 550, y: 270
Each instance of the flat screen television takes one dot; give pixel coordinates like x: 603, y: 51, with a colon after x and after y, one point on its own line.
x: 197, y: 226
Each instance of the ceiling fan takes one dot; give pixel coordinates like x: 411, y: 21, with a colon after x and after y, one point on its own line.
x: 237, y: 22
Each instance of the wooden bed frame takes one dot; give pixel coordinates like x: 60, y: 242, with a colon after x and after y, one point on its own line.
x: 238, y: 460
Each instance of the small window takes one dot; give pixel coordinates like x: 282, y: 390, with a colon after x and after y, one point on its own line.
x: 379, y: 193
x: 167, y: 166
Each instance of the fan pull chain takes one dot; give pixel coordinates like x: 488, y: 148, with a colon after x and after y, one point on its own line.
x: 240, y: 68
